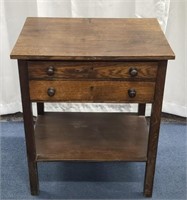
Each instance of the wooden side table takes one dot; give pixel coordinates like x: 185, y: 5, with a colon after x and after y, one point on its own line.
x: 92, y: 60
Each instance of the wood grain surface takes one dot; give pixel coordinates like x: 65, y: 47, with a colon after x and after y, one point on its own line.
x: 89, y: 60
x: 92, y: 91
x: 92, y: 39
x: 91, y: 137
x: 92, y: 70
x: 154, y: 129
x: 29, y: 127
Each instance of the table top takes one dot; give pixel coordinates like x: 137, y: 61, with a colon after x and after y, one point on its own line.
x: 92, y: 39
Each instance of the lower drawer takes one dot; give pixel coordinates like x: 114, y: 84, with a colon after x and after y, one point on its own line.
x: 91, y: 91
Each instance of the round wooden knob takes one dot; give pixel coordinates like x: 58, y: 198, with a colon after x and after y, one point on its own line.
x: 132, y: 93
x: 50, y: 71
x: 51, y: 92
x: 133, y: 71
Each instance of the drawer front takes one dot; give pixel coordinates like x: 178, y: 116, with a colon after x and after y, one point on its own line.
x: 91, y: 91
x: 51, y: 70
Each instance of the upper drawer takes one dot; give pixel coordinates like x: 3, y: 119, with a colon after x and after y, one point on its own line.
x: 50, y: 70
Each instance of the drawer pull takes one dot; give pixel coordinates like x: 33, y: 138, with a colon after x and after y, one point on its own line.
x: 132, y: 93
x: 51, y: 92
x: 133, y: 71
x: 50, y: 71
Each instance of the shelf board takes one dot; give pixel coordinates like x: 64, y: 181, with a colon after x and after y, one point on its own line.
x: 91, y: 137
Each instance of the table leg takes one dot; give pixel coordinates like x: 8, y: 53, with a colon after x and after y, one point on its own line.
x: 154, y: 129
x: 40, y: 108
x: 141, y: 108
x: 29, y: 127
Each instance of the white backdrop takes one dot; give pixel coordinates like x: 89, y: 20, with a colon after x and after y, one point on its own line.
x: 170, y: 13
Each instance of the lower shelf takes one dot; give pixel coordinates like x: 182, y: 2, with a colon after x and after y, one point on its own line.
x: 91, y: 137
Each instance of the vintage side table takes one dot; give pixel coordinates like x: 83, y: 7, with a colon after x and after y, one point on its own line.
x: 92, y: 60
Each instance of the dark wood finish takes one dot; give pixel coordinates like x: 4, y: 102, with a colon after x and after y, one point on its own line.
x: 154, y: 129
x: 91, y: 91
x: 141, y: 108
x: 91, y: 137
x: 92, y: 70
x: 92, y: 60
x: 40, y: 108
x: 92, y: 39
x: 29, y: 128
